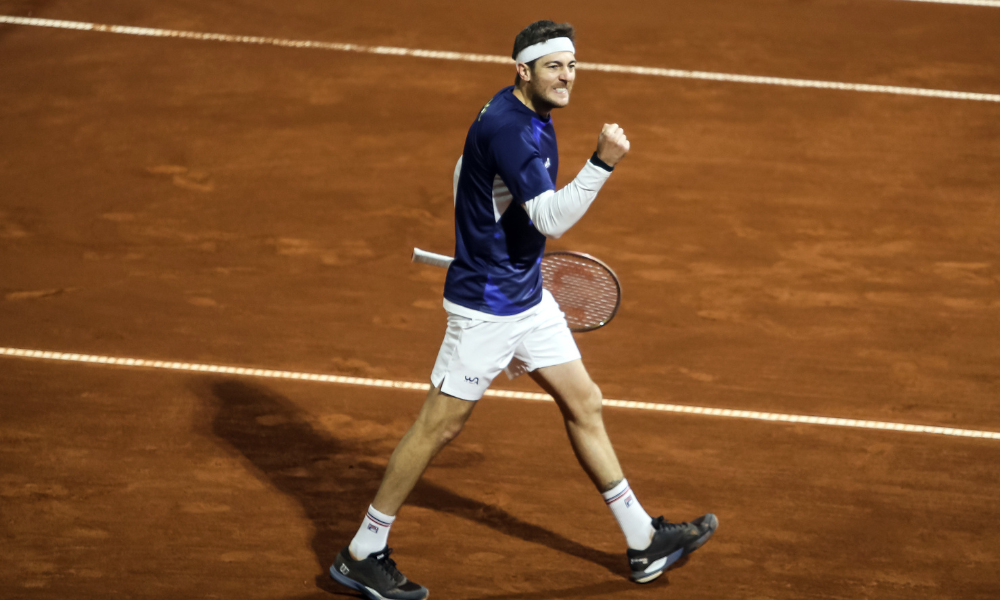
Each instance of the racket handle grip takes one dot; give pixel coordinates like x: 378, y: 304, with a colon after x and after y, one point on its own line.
x: 430, y: 258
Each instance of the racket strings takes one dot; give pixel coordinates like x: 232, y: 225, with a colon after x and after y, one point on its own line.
x: 587, y: 292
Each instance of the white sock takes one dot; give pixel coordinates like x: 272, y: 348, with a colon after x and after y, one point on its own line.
x: 372, y: 536
x: 632, y: 518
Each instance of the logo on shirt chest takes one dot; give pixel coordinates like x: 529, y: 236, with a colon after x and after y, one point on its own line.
x: 548, y: 163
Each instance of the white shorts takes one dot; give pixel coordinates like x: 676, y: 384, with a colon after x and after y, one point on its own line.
x: 474, y: 352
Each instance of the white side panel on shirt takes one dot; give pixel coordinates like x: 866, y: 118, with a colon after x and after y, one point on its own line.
x: 501, y: 198
x: 501, y: 195
x: 454, y: 182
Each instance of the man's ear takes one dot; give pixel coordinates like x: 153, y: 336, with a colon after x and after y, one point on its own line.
x: 523, y: 72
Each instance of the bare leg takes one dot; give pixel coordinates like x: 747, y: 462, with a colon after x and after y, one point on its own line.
x: 579, y: 399
x: 440, y: 420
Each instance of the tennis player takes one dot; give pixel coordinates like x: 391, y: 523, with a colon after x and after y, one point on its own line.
x: 500, y: 317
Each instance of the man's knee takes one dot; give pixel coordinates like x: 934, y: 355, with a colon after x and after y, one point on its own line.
x: 437, y: 431
x: 595, y: 400
x: 443, y: 418
x: 448, y: 429
x: 586, y: 407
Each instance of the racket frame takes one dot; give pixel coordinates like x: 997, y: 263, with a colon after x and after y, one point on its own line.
x: 443, y: 261
x: 611, y: 272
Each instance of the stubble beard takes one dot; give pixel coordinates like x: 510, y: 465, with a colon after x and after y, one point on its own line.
x: 541, y: 100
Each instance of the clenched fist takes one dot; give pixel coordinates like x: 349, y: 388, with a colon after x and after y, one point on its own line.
x: 612, y: 145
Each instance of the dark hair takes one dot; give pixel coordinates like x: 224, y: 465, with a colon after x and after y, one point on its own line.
x: 538, y: 32
x: 541, y: 31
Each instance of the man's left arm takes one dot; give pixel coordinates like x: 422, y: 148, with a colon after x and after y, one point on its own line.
x: 554, y: 213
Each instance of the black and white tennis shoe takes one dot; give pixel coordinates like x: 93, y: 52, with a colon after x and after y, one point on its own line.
x: 671, y: 541
x: 376, y: 576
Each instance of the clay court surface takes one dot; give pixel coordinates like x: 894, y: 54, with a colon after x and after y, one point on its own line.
x: 807, y: 252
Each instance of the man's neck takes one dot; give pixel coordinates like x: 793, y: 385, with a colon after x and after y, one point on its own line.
x: 540, y: 108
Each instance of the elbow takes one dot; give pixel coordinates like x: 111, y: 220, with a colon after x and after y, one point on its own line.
x: 553, y: 233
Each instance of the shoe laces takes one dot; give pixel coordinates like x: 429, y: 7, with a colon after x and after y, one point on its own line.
x: 660, y: 523
x: 388, y: 565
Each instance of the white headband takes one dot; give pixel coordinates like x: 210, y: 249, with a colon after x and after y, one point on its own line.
x: 560, y: 44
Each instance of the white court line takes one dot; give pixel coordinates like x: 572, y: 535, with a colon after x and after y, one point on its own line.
x: 408, y: 385
x: 990, y: 3
x: 489, y: 58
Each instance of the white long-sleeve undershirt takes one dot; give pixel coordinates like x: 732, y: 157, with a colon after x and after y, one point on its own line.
x: 553, y: 213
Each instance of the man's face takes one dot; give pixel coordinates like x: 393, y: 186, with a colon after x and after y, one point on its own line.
x: 552, y: 79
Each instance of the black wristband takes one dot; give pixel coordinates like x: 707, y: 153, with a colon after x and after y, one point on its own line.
x: 601, y: 163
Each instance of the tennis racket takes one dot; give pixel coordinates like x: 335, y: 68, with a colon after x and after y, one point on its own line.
x: 586, y: 289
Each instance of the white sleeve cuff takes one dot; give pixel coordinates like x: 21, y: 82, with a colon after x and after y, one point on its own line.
x: 553, y: 213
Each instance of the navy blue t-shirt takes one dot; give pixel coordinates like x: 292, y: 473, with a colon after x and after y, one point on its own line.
x: 510, y: 157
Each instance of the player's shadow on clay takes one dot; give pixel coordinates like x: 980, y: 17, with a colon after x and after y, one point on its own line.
x: 319, y: 471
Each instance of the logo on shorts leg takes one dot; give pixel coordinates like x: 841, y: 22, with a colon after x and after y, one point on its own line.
x: 474, y: 380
